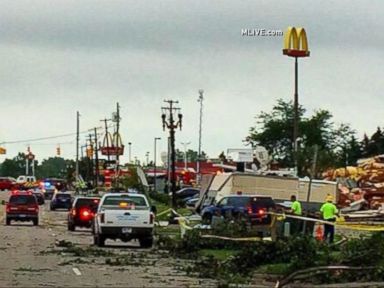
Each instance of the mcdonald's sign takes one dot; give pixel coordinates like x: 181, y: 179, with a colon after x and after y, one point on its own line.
x: 295, y: 42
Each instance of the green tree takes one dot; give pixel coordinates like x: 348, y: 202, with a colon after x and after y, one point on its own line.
x: 56, y: 167
x: 14, y: 167
x: 374, y: 145
x: 192, y: 156
x: 274, y: 131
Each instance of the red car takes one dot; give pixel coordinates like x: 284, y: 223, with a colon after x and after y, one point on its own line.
x: 22, y: 206
x: 7, y: 183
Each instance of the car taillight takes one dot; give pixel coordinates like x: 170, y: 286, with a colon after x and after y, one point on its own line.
x: 85, y: 214
x: 249, y: 209
x: 151, y: 218
x: 7, y: 208
x: 261, y: 212
x: 73, y: 212
x: 102, y: 218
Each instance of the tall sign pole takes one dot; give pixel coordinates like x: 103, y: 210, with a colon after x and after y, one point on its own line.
x: 171, y: 124
x: 296, y: 45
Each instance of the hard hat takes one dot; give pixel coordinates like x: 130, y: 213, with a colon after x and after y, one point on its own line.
x: 329, y: 198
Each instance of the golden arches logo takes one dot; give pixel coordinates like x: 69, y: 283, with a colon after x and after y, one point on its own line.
x: 295, y: 42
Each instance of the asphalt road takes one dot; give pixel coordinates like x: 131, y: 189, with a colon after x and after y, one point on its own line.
x: 33, y: 256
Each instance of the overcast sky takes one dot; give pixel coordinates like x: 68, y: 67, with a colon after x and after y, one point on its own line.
x: 58, y: 57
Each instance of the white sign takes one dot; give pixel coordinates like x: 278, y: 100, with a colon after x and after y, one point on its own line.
x: 240, y: 155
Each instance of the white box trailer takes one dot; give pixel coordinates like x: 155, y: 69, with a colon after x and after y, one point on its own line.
x: 278, y: 187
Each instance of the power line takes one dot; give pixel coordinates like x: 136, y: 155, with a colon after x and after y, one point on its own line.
x: 44, y: 138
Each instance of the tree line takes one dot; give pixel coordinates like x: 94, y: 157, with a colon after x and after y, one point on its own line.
x: 338, y: 145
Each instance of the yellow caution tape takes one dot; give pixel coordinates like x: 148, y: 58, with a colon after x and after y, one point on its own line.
x: 164, y: 212
x: 237, y: 239
x: 340, y: 222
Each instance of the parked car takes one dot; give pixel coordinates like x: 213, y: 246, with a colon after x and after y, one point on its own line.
x: 187, y: 192
x: 7, y: 183
x: 191, y: 202
x: 82, y: 212
x: 252, y: 208
x: 61, y: 200
x: 124, y: 216
x: 22, y: 206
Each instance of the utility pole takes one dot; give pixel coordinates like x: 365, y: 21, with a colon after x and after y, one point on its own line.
x: 168, y: 164
x: 201, y: 98
x: 105, y: 120
x: 117, y: 127
x: 91, y: 170
x: 96, y: 159
x: 154, y: 164
x: 117, y: 140
x: 185, y: 144
x: 172, y: 125
x: 77, y: 146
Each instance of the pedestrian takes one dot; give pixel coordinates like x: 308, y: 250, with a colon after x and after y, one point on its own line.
x: 295, y: 210
x: 329, y: 212
x: 296, y: 206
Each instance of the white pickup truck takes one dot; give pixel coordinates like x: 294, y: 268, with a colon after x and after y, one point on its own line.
x: 124, y: 216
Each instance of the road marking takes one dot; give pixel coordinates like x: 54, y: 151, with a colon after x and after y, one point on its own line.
x: 76, y: 271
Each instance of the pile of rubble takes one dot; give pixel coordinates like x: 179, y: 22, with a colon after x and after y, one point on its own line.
x: 361, y: 187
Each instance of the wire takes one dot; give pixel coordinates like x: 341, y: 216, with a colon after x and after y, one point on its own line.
x: 49, y: 137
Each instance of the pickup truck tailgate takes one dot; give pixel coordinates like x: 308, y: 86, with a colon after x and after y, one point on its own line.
x: 127, y: 218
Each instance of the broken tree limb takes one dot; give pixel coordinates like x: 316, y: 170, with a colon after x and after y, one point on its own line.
x: 305, y: 273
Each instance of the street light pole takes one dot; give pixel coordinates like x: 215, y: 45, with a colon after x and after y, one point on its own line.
x: 154, y: 164
x: 171, y: 124
x: 129, y: 151
x: 201, y: 98
x: 185, y: 144
x: 147, y: 158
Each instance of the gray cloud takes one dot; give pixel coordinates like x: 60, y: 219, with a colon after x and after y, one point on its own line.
x: 63, y: 56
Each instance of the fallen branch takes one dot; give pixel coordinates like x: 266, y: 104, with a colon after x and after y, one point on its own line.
x: 317, y: 270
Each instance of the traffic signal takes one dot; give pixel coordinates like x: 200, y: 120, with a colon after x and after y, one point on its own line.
x: 90, y: 152
x: 3, y: 150
x: 58, y: 152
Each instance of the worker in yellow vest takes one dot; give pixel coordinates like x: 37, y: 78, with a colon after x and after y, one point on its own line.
x: 329, y: 213
x: 295, y: 210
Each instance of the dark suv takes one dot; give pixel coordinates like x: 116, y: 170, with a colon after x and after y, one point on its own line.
x: 82, y: 212
x: 252, y: 208
x: 22, y: 206
x: 61, y: 200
